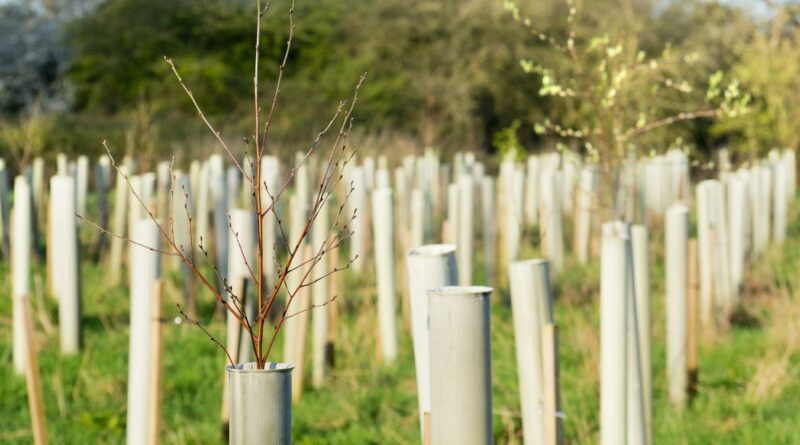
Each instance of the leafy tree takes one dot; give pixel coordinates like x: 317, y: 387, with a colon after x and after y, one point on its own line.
x: 769, y: 66
x: 611, y: 93
x: 118, y: 52
x: 444, y: 71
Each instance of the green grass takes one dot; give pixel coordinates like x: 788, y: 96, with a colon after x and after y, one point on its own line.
x: 367, y: 402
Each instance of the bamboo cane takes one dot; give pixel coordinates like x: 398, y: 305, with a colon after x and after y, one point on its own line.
x: 32, y: 381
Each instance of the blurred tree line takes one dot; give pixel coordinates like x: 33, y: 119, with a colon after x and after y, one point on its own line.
x: 444, y: 72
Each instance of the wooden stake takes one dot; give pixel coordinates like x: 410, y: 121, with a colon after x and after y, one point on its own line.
x: 552, y: 424
x: 378, y: 353
x: 691, y: 324
x: 710, y: 329
x: 233, y: 343
x: 155, y: 368
x: 402, y: 281
x: 426, y: 428
x: 32, y: 382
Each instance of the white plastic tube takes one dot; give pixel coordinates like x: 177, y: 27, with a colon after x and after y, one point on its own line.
x: 417, y: 219
x: 677, y: 238
x: 712, y: 228
x: 291, y: 327
x: 790, y: 162
x: 38, y: 191
x: 461, y: 376
x: 429, y: 267
x: 763, y: 200
x: 586, y: 192
x: 722, y: 259
x: 102, y: 178
x: 181, y: 212
x: 64, y: 241
x: 433, y: 183
x: 62, y: 164
x: 382, y: 179
x: 550, y: 231
x: 358, y: 203
x: 194, y: 175
x: 403, y: 207
x: 147, y: 193
x: 613, y: 334
x: 641, y: 274
x: 163, y: 198
x: 488, y: 223
x: 532, y: 308
x: 20, y: 265
x: 450, y: 233
x: 636, y: 419
x: 233, y: 186
x: 555, y: 221
x: 532, y: 191
x: 383, y: 225
x: 369, y: 173
x: 319, y: 296
x: 219, y: 198
x: 144, y: 272
x: 737, y: 215
x: 705, y: 246
x: 780, y: 201
x: 82, y: 183
x: 136, y: 211
x: 201, y: 208
x: 270, y: 176
x: 566, y: 185
x: 466, y: 212
x: 241, y: 257
x: 514, y: 214
x: 118, y: 222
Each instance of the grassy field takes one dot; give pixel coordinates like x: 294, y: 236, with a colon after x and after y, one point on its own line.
x: 748, y: 386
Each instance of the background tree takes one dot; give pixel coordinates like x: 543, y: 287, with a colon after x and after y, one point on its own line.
x: 442, y: 73
x: 610, y: 94
x: 769, y: 67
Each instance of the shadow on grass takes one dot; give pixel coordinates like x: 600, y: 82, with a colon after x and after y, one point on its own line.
x: 744, y: 319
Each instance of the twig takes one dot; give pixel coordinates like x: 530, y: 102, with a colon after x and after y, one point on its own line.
x: 313, y: 306
x: 205, y: 331
x: 205, y: 120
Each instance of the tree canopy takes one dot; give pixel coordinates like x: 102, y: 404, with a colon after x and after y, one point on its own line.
x: 447, y: 73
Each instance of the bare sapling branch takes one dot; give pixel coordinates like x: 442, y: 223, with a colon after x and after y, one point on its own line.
x: 170, y: 240
x: 328, y: 178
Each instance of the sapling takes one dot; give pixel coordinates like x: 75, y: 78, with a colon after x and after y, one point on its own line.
x: 261, y: 332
